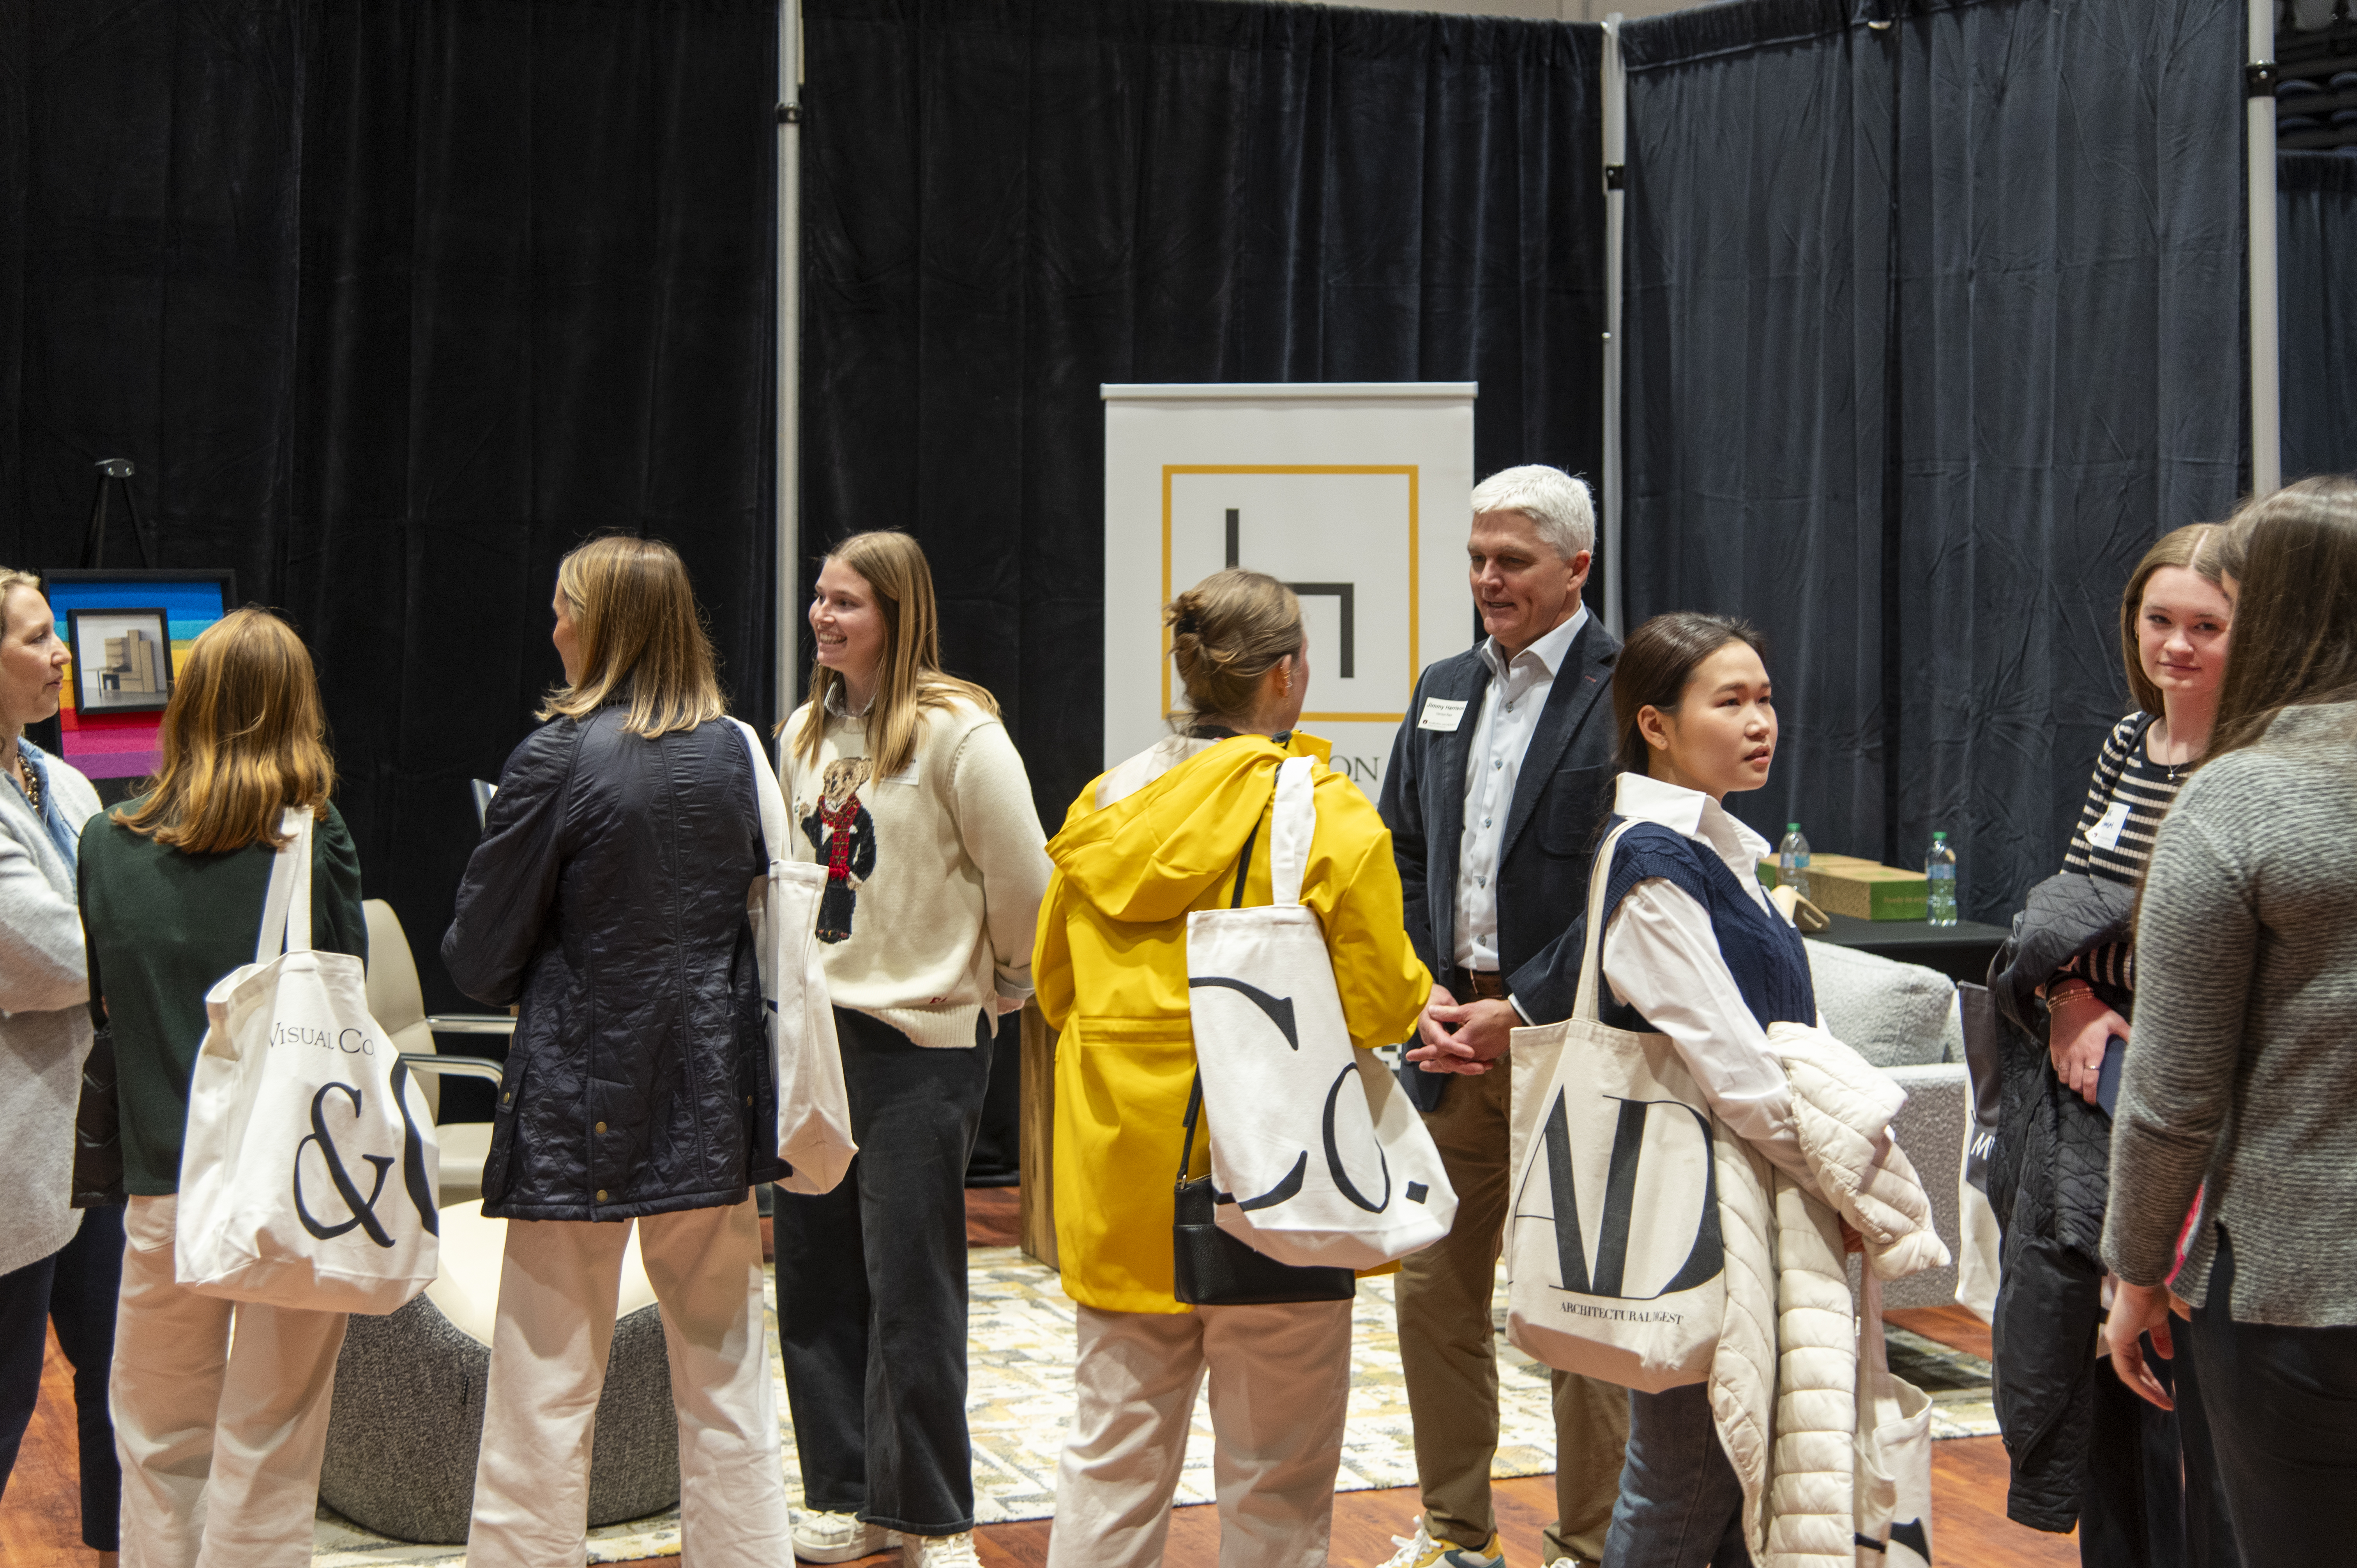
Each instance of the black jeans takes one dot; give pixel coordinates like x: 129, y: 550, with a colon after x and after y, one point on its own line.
x: 2282, y: 1404
x: 871, y: 1290
x: 75, y: 1288
x: 2135, y: 1511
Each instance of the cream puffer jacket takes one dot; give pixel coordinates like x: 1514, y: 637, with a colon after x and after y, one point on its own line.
x: 1783, y: 1379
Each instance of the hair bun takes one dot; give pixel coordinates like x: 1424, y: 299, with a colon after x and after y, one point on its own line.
x: 1186, y: 626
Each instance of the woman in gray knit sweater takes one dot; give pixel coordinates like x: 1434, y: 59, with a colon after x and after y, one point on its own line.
x: 2238, y: 1093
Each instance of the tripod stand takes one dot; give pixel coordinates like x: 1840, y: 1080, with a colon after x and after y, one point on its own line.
x: 113, y: 471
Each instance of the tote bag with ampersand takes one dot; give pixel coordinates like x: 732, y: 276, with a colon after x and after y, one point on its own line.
x: 308, y: 1172
x: 1318, y: 1158
x: 1615, y: 1263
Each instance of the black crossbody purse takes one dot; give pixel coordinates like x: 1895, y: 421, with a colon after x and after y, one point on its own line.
x: 1212, y: 1268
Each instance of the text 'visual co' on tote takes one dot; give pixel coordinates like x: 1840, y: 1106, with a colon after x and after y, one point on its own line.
x: 1317, y: 1156
x: 1615, y: 1263
x: 308, y: 1174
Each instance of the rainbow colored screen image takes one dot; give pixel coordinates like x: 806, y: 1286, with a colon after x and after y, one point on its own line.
x: 123, y: 746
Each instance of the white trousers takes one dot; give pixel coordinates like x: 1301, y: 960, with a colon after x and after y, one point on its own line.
x: 1280, y: 1387
x: 559, y: 1283
x: 219, y: 1439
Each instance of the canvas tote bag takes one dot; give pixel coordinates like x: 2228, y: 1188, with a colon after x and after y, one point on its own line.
x: 1318, y: 1158
x: 1894, y: 1451
x: 308, y: 1173
x: 1615, y: 1266
x: 814, y: 1110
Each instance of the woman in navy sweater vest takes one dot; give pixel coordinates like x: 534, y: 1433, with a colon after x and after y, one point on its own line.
x: 1693, y: 950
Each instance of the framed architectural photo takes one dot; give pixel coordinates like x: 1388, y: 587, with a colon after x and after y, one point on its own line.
x: 122, y: 658
x: 110, y: 734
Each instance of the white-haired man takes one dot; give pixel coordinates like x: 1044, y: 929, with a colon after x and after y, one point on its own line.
x: 1500, y: 773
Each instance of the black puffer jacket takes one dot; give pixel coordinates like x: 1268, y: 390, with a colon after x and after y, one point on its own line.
x: 2048, y: 1181
x: 607, y: 897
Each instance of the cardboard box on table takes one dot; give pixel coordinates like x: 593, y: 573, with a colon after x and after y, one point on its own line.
x: 1859, y: 888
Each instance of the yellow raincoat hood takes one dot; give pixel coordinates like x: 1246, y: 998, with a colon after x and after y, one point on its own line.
x: 1149, y: 857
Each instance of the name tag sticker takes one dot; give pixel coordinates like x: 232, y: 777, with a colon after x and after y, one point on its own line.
x: 1440, y: 714
x: 2105, y: 834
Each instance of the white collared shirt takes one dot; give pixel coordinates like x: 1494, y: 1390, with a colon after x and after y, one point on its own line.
x: 1510, y: 705
x: 1661, y: 957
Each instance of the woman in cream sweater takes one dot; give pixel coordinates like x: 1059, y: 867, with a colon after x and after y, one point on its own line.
x: 903, y: 783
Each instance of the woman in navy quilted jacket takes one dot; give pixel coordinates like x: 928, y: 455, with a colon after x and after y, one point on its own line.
x: 608, y: 902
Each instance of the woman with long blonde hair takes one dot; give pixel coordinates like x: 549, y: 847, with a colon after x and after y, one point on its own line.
x: 607, y: 902
x: 904, y: 784
x: 221, y: 1409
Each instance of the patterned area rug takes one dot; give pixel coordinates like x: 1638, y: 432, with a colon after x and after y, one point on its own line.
x: 1020, y: 1395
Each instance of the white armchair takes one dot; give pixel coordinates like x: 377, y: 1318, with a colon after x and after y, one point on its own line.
x: 397, y: 1002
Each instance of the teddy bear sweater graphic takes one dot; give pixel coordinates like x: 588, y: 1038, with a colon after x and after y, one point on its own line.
x: 844, y: 834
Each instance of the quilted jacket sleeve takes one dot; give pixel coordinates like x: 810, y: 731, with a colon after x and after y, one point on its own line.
x: 510, y: 881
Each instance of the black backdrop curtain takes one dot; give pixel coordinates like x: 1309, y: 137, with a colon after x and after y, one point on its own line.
x: 1935, y: 326
x: 2316, y: 207
x: 392, y: 302
x: 1011, y: 202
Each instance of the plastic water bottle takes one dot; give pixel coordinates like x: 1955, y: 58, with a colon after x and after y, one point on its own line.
x: 1793, y: 860
x: 1940, y: 872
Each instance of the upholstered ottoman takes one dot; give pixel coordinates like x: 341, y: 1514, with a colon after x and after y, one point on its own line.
x: 408, y: 1413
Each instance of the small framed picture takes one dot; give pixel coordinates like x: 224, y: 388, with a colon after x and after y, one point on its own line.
x: 123, y: 659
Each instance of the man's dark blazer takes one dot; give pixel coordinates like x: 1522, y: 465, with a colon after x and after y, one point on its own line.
x: 1561, y: 796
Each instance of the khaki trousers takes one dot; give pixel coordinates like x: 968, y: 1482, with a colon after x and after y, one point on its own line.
x: 1280, y: 1387
x: 220, y: 1440
x: 559, y: 1283
x: 1448, y: 1353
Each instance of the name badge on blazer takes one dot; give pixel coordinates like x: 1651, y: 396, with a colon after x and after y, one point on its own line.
x: 1440, y: 714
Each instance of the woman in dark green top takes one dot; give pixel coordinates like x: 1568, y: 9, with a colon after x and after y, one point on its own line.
x: 220, y: 1442
x: 163, y: 925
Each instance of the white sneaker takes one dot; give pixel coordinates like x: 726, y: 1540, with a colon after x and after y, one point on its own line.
x: 939, y: 1551
x: 1421, y: 1551
x: 821, y: 1537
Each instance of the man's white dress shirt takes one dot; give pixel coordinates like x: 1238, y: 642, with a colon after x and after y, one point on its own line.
x: 1510, y: 705
x: 1661, y: 957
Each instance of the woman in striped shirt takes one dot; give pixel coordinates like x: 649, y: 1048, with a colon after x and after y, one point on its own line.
x: 2147, y: 1494
x: 2174, y: 618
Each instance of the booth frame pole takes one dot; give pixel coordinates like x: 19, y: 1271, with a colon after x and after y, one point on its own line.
x: 2266, y: 386
x: 1616, y: 139
x: 787, y: 485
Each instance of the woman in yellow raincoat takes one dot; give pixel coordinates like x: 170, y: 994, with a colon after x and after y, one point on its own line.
x: 1153, y: 838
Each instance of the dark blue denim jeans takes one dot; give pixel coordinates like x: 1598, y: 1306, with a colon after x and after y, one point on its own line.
x: 1681, y: 1505
x: 75, y: 1289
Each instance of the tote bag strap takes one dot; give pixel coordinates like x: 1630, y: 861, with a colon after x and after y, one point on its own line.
x: 286, y: 908
x: 1599, y: 879
x: 1293, y: 822
x: 766, y: 790
x: 1195, y: 1092
x: 1194, y: 1109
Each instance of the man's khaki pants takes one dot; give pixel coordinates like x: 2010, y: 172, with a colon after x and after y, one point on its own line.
x: 1449, y: 1356
x: 220, y: 1442
x: 559, y: 1285
x: 1280, y: 1387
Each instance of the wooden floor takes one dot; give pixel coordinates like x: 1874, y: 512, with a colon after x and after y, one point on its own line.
x: 39, y: 1521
